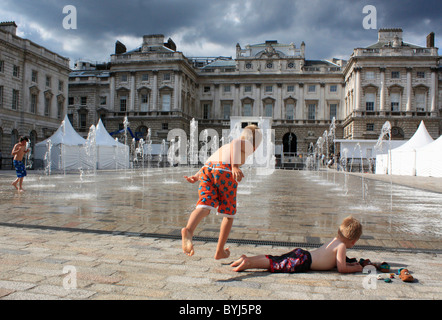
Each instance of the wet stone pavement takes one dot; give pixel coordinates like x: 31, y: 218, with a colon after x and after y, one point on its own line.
x: 120, y: 233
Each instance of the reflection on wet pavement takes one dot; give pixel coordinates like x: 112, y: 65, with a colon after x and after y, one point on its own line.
x: 292, y: 206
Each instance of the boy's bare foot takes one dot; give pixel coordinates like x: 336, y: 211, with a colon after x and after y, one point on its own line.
x: 240, y: 263
x: 187, y: 242
x: 222, y: 254
x: 15, y: 186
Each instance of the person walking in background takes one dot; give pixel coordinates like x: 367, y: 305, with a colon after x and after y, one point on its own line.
x: 18, y: 153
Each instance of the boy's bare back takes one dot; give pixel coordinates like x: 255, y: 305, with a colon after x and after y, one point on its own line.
x: 324, y: 258
x: 235, y: 152
x: 333, y: 254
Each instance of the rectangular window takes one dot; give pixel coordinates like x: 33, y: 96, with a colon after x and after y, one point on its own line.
x: 226, y: 111
x: 247, y: 110
x: 206, y: 111
x: 421, y: 75
x: 311, y: 88
x: 420, y: 102
x: 145, y: 77
x: 269, y: 110
x: 123, y: 78
x: 311, y: 111
x: 33, y: 103
x: 83, y: 101
x: 395, y: 75
x: 48, y: 81
x: 47, y: 106
x: 269, y: 89
x: 206, y: 89
x: 83, y: 120
x: 144, y: 103
x: 333, y: 111
x: 1, y: 96
x: 71, y: 101
x: 290, y: 88
x: 369, y: 101
x: 227, y: 88
x: 166, y: 77
x: 369, y: 127
x: 16, y: 71
x: 395, y: 101
x: 333, y: 88
x: 369, y: 75
x: 103, y: 100
x: 247, y: 89
x: 290, y: 111
x: 165, y: 126
x: 123, y: 103
x: 34, y: 77
x: 15, y: 98
x: 166, y: 102
x: 59, y: 109
x: 2, y: 66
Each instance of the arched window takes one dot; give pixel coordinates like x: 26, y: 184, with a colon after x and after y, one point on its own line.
x: 290, y: 143
x: 397, y: 133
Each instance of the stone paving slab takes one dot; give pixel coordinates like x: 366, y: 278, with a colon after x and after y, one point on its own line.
x: 35, y: 265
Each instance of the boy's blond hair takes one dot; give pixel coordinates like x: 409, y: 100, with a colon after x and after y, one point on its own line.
x: 253, y: 134
x: 350, y: 229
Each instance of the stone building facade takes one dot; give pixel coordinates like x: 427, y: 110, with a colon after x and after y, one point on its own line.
x: 33, y: 89
x: 156, y: 87
x: 392, y: 80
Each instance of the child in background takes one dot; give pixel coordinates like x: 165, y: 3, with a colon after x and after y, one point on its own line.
x: 18, y: 152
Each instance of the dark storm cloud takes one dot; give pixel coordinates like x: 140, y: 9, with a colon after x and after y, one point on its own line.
x: 329, y: 28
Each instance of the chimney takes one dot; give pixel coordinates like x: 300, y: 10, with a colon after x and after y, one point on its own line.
x: 430, y: 40
x: 119, y: 48
x: 9, y: 26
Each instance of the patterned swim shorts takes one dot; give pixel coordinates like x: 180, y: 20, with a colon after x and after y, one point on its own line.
x: 20, y: 168
x: 297, y: 260
x: 217, y: 188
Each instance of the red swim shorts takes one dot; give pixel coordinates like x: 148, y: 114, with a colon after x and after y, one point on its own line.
x: 217, y: 188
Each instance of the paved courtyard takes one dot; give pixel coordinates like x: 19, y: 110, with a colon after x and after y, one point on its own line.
x: 115, y: 235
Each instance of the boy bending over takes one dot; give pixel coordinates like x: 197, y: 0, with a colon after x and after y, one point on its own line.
x: 327, y: 257
x: 218, y: 181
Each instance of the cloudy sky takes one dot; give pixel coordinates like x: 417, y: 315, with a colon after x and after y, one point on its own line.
x: 214, y: 27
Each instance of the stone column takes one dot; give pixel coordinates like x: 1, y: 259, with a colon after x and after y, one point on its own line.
x: 132, y: 92
x: 216, y: 102
x: 357, y: 98
x: 155, y: 91
x: 382, y: 91
x: 177, y: 92
x: 236, y: 108
x: 112, y: 92
x: 322, y: 106
x: 433, y: 92
x: 408, y: 92
x: 257, y: 110
x: 279, y: 103
x: 300, y: 103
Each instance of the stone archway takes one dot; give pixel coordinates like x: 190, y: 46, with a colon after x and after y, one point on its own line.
x: 290, y: 143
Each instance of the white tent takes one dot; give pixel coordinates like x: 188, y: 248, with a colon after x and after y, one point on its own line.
x: 429, y: 159
x: 110, y: 154
x: 403, y: 158
x: 66, y: 147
